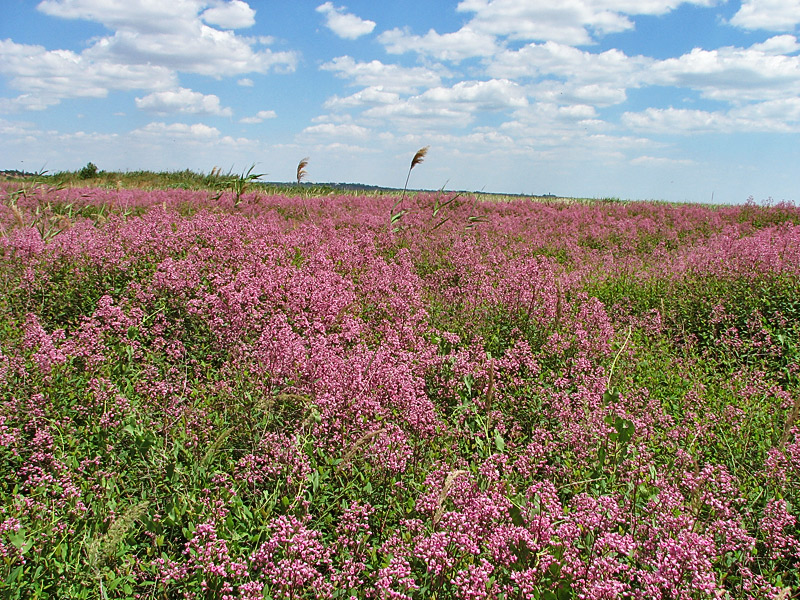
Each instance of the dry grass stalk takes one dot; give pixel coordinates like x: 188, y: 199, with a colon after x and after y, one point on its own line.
x: 354, y: 448
x: 216, y: 445
x: 448, y: 485
x: 418, y: 158
x: 301, y: 169
x: 101, y: 548
x: 267, y: 402
x: 17, y: 214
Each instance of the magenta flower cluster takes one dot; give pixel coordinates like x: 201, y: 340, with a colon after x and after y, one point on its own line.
x: 286, y: 397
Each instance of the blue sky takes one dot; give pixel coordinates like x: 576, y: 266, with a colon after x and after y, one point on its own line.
x: 636, y: 99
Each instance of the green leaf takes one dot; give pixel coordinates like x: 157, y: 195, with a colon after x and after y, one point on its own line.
x: 611, y: 395
x: 516, y: 515
x: 499, y: 442
x: 625, y: 430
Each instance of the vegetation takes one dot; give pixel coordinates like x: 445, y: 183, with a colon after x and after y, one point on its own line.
x: 219, y: 392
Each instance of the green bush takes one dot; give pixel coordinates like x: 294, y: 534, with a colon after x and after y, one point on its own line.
x: 88, y: 172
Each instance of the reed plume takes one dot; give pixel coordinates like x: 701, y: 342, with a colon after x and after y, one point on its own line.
x: 301, y: 169
x: 448, y: 485
x: 418, y: 158
x: 359, y: 443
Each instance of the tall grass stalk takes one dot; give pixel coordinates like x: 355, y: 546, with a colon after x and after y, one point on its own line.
x: 419, y: 157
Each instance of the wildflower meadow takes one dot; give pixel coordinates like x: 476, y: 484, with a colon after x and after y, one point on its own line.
x: 244, y: 395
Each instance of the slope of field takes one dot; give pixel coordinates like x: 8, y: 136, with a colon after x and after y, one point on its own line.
x: 242, y: 395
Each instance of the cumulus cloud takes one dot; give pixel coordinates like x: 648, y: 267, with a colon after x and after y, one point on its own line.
x: 230, y: 15
x: 771, y: 15
x: 259, y: 117
x: 370, y: 96
x: 457, y: 46
x: 193, y: 48
x: 454, y: 106
x: 378, y: 74
x: 336, y: 131
x: 564, y: 61
x: 197, y: 130
x: 345, y: 25
x: 151, y: 42
x: 495, y: 94
x: 777, y: 116
x: 570, y: 22
x: 183, y: 101
x: 417, y: 115
x: 52, y: 75
x: 562, y: 73
x: 145, y: 16
x: 760, y: 72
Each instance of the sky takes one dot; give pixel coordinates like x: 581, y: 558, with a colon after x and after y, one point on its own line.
x: 695, y: 100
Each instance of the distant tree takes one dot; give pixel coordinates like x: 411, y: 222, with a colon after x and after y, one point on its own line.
x: 88, y: 172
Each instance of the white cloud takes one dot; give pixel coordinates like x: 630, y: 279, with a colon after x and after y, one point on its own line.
x: 183, y: 101
x: 194, y: 48
x: 144, y: 16
x: 230, y: 15
x: 46, y: 76
x: 462, y: 44
x: 456, y: 106
x: 779, y: 44
x: 152, y: 16
x: 260, y: 117
x: 495, y: 94
x: 550, y: 124
x: 18, y: 130
x: 388, y: 77
x: 197, y: 132
x: 676, y: 121
x: 415, y: 114
x: 777, y: 116
x: 26, y: 102
x: 245, y: 82
x: 772, y: 15
x: 760, y: 72
x: 336, y: 131
x: 565, y: 74
x: 594, y: 94
x: 369, y: 96
x: 568, y: 21
x: 660, y: 161
x: 151, y: 41
x: 577, y: 112
x: 343, y: 24
x: 563, y: 61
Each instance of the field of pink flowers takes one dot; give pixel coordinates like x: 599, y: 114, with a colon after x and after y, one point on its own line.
x: 293, y: 397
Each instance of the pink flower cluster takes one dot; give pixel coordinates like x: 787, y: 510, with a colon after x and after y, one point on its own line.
x: 521, y: 401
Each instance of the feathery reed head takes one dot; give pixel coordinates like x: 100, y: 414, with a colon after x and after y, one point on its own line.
x: 419, y: 156
x: 448, y: 485
x: 301, y: 169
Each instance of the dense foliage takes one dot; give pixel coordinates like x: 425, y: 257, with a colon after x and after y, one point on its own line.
x: 248, y: 396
